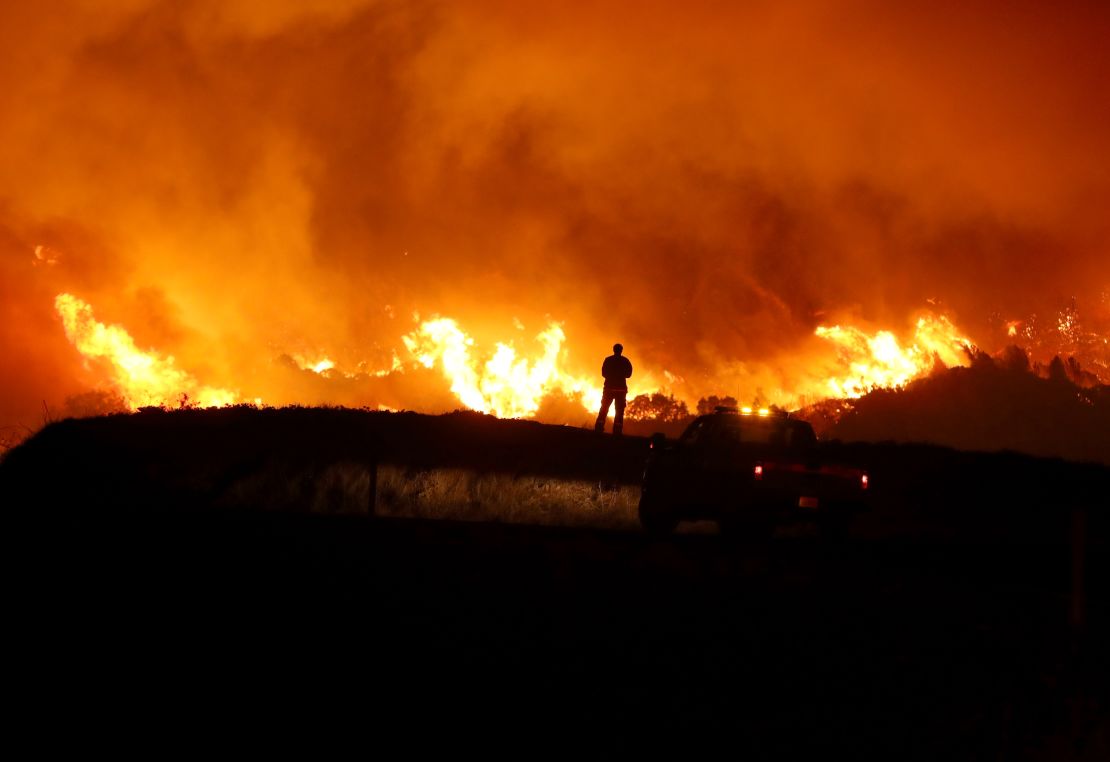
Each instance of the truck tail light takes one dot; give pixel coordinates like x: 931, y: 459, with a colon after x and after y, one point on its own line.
x: 864, y: 482
x: 758, y: 471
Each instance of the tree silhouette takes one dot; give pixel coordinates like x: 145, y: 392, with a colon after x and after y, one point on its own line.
x: 710, y: 404
x: 656, y: 407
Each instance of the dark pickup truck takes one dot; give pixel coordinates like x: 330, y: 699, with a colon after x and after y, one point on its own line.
x: 748, y: 471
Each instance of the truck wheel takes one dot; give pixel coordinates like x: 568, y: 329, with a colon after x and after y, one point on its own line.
x: 656, y: 518
x: 748, y: 528
x: 835, y: 527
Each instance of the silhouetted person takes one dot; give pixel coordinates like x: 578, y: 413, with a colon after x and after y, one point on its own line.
x: 616, y: 369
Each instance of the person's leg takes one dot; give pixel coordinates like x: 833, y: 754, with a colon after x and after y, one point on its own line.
x: 606, y: 401
x: 618, y: 421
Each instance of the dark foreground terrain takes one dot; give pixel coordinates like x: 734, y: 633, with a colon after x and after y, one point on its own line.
x: 959, y: 620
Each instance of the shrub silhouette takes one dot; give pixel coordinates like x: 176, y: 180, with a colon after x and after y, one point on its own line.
x: 662, y: 408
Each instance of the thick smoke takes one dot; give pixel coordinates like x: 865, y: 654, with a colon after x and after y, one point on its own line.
x: 241, y: 183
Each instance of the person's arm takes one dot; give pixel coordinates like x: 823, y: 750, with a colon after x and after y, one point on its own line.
x: 629, y: 368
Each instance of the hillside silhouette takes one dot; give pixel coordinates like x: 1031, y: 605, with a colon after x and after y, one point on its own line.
x: 327, y: 460
x: 965, y: 611
x: 995, y: 404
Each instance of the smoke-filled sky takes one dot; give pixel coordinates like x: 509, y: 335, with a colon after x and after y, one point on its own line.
x: 704, y: 181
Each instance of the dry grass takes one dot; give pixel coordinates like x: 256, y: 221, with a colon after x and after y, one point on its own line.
x: 342, y: 487
x: 460, y: 494
x: 437, y: 493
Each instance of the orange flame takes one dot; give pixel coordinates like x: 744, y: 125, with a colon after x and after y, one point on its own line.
x: 505, y: 384
x: 319, y: 367
x: 879, y: 360
x: 141, y: 378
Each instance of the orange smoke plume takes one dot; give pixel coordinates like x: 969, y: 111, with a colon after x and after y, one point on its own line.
x: 265, y: 191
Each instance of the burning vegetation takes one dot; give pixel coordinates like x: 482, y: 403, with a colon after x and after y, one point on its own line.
x: 883, y: 387
x: 419, y: 206
x: 141, y: 379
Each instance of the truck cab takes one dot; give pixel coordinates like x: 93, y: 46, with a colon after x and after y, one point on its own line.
x: 750, y: 471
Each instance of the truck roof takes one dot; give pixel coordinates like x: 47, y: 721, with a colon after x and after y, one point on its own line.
x: 728, y: 427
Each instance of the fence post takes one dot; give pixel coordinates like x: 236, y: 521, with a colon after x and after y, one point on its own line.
x: 1078, y: 677
x: 1078, y: 562
x: 372, y: 501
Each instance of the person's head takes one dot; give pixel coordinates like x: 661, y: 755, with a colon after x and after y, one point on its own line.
x: 617, y: 349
